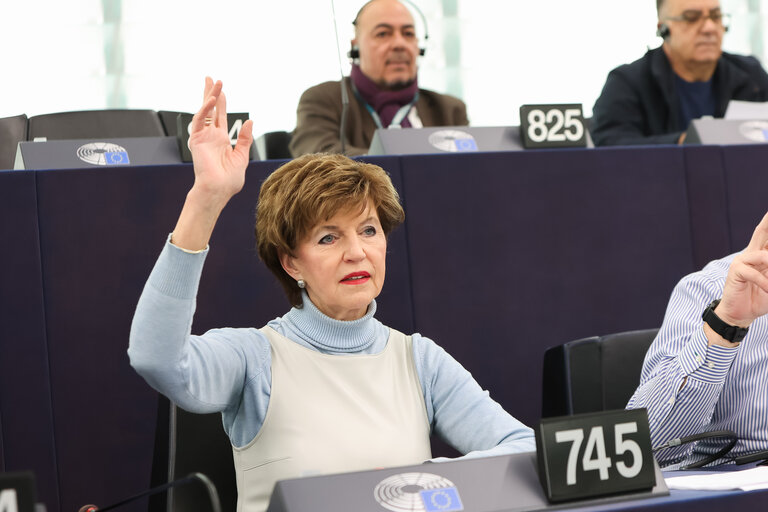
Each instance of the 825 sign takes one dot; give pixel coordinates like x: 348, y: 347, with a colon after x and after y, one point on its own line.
x: 595, y: 454
x: 552, y: 126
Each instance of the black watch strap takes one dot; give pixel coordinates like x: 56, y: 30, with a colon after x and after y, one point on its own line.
x: 732, y: 333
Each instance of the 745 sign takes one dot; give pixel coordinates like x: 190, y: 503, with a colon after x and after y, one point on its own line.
x: 595, y: 454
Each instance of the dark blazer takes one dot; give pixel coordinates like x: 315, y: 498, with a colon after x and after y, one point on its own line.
x: 318, y: 118
x: 638, y: 104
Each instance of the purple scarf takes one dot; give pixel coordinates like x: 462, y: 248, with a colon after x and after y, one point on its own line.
x: 384, y: 103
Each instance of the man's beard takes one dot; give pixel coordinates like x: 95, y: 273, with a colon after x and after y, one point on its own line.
x: 397, y: 85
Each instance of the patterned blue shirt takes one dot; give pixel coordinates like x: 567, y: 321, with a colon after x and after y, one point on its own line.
x: 689, y: 387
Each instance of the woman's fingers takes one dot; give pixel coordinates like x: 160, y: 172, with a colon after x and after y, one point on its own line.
x: 207, y: 115
x: 244, y: 140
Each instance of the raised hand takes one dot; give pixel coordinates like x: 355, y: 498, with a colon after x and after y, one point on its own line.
x: 219, y: 169
x: 745, y: 296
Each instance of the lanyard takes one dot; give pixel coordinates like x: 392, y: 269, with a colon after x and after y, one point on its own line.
x: 399, y: 116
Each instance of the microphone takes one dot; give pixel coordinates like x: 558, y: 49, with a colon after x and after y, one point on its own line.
x: 344, y: 93
x: 192, y: 477
x: 727, y: 434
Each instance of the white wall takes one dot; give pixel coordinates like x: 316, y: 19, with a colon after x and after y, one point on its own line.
x: 495, y: 54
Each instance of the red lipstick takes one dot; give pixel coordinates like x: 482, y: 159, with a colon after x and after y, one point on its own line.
x: 356, y: 278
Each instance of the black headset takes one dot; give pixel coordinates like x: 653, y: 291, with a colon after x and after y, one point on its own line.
x: 354, y: 52
x: 663, y: 31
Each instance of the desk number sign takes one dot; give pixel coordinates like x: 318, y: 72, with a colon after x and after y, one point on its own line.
x: 595, y: 454
x: 553, y: 126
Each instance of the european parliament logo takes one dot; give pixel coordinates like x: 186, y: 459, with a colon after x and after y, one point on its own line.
x: 103, y: 153
x: 453, y: 141
x: 418, y: 492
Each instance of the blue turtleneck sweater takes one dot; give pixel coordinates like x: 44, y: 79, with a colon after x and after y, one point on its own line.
x: 229, y: 370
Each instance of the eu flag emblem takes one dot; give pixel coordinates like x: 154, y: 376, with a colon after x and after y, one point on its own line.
x: 116, y: 158
x: 441, y: 500
x: 466, y: 145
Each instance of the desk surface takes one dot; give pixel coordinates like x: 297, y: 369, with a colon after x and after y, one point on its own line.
x: 507, y: 483
x: 701, y: 501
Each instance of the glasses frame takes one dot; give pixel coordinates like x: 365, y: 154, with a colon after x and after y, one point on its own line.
x: 697, y: 16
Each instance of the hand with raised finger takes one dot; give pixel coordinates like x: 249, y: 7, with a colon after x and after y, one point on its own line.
x: 745, y: 295
x: 219, y: 168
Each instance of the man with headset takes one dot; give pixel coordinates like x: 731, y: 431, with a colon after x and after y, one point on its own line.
x: 381, y: 91
x: 653, y: 100
x: 707, y: 369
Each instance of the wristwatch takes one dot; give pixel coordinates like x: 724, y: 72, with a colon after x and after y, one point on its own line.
x: 732, y: 333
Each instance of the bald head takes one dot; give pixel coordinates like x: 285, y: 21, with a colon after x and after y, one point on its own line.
x: 365, y: 6
x: 385, y: 35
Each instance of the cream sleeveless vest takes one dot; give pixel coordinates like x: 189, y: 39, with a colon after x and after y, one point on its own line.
x: 333, y: 414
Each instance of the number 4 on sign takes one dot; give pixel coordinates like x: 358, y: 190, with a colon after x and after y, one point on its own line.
x: 235, y: 131
x: 596, y: 446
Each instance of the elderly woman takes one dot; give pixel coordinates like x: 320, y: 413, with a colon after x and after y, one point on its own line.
x: 325, y: 388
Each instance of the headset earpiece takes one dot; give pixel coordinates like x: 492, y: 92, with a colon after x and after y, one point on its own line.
x: 663, y: 31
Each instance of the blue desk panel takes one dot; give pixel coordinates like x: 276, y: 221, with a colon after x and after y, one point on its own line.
x: 26, y: 428
x: 747, y: 188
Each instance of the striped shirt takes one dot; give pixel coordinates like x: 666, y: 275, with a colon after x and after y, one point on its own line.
x: 689, y: 387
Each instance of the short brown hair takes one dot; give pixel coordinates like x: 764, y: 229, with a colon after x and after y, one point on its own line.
x: 311, y: 189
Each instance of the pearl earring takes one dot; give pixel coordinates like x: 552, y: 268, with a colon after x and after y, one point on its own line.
x: 301, y: 283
